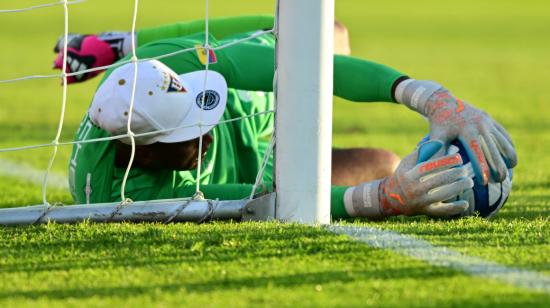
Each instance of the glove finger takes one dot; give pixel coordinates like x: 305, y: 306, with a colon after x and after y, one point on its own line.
x: 477, y: 157
x: 61, y: 41
x: 58, y: 62
x: 58, y: 44
x: 503, y: 131
x: 448, y: 191
x: 494, y: 159
x: 429, y: 149
x: 444, y: 137
x: 444, y: 209
x: 444, y: 177
x: 409, y: 161
x: 72, y: 63
x: 506, y: 148
x: 435, y: 165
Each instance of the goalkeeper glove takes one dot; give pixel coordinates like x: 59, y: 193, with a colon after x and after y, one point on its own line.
x: 486, y: 142
x: 414, y: 189
x: 90, y: 51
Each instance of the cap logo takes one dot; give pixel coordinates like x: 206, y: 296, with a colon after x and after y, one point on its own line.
x: 211, y: 99
x: 175, y: 85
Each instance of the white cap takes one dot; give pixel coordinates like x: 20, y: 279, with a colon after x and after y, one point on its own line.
x: 163, y: 100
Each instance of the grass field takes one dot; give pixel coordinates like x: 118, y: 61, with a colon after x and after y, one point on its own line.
x: 491, y: 53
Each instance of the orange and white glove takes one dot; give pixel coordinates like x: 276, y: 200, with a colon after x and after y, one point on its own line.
x: 486, y: 142
x: 414, y: 188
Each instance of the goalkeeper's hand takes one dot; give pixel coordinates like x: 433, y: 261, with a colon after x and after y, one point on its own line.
x: 487, y: 143
x: 414, y: 189
x: 86, y: 52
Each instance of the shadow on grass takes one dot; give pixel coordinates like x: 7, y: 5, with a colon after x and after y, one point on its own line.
x: 280, y: 281
x: 166, y: 259
x: 525, y: 185
x: 528, y: 207
x: 68, y: 247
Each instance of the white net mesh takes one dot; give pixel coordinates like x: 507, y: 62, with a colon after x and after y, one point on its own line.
x: 57, y: 142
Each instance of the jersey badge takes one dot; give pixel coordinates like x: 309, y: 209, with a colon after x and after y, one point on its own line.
x: 203, y: 58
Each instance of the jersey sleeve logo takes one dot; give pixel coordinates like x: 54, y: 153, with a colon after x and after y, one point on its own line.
x: 203, y: 57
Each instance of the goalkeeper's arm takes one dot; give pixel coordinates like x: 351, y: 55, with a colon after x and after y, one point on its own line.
x: 218, y: 27
x: 250, y: 66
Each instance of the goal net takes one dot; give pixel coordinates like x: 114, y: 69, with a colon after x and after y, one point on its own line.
x: 301, y: 140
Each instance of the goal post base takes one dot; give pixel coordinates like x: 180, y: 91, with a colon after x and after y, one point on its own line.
x: 165, y: 211
x: 260, y: 209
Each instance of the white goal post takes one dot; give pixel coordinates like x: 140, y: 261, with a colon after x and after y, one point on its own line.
x: 305, y: 35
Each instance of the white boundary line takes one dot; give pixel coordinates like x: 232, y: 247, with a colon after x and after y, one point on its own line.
x: 442, y: 256
x: 32, y: 175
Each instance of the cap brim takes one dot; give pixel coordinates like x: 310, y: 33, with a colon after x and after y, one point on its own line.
x: 211, y: 112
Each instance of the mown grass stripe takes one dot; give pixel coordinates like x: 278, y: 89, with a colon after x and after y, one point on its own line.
x: 445, y: 257
x: 30, y: 174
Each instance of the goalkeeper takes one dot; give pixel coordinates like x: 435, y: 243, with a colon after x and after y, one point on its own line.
x: 418, y: 186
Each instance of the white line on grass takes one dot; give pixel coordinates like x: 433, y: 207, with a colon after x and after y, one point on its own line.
x: 445, y: 257
x: 32, y: 175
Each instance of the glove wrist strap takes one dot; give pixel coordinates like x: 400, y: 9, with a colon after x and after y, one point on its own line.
x: 362, y: 200
x: 121, y: 42
x: 416, y: 93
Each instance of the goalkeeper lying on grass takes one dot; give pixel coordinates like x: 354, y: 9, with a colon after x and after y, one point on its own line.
x: 169, y: 94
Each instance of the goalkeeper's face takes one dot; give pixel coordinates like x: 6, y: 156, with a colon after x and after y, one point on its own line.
x: 157, y: 156
x: 180, y: 155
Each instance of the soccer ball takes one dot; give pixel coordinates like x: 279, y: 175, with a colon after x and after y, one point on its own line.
x: 484, y: 200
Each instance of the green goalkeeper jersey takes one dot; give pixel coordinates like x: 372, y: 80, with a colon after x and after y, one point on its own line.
x: 234, y: 157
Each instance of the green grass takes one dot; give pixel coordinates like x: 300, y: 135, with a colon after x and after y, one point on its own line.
x: 491, y: 53
x: 226, y: 264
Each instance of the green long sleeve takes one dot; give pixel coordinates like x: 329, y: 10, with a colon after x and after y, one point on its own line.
x: 361, y: 80
x: 250, y: 66
x: 218, y: 27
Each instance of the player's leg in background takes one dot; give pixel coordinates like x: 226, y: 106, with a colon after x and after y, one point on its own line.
x: 353, y: 166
